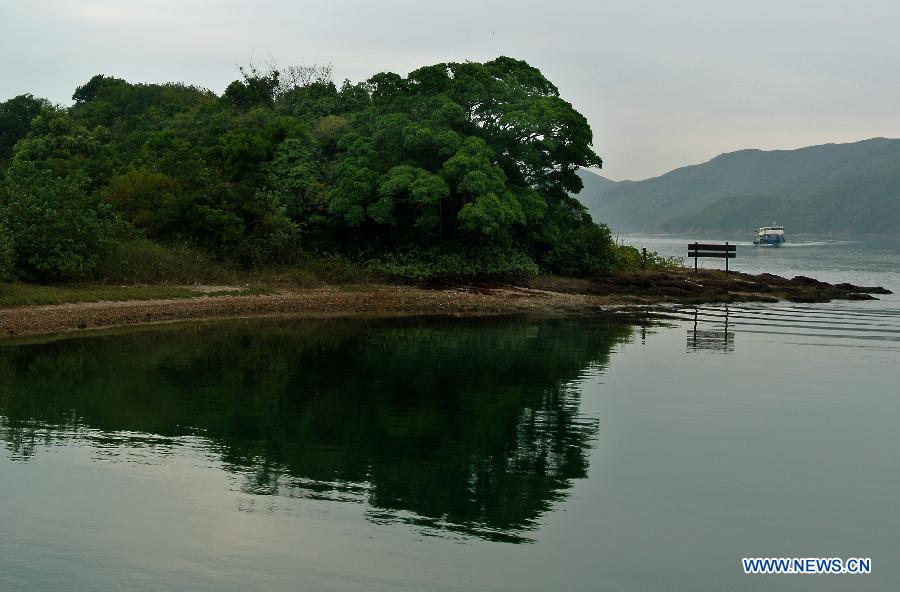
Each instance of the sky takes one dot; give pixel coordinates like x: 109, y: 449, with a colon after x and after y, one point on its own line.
x: 663, y: 83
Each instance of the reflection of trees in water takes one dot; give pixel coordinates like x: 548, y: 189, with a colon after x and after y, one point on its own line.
x: 468, y: 425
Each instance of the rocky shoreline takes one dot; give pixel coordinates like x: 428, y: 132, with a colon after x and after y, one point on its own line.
x: 545, y: 295
x: 708, y: 287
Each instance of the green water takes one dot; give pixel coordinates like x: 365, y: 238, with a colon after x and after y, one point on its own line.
x: 495, y: 454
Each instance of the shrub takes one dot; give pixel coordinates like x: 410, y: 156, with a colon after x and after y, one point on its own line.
x: 628, y: 258
x: 58, y: 232
x: 586, y: 250
x: 142, y: 197
x: 657, y: 261
x: 311, y: 271
x: 146, y: 262
x: 236, y: 224
x: 7, y: 255
x: 434, y: 265
x: 333, y: 270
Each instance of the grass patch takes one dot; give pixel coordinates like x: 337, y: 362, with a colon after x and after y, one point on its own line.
x: 144, y: 262
x: 18, y: 294
x: 147, y: 262
x: 312, y: 272
x: 145, y: 270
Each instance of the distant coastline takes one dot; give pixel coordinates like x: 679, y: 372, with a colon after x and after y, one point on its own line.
x: 837, y: 190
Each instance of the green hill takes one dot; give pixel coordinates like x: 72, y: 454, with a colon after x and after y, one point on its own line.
x: 594, y: 183
x: 843, y: 189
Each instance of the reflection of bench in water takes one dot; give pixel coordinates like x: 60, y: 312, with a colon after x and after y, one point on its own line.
x: 710, y: 340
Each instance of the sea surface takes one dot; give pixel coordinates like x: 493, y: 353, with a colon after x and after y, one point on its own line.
x: 512, y: 454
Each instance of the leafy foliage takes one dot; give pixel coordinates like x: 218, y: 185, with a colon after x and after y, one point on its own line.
x: 459, y: 170
x: 432, y: 265
x: 629, y: 258
x: 7, y: 255
x: 15, y: 120
x: 142, y: 261
x: 58, y: 232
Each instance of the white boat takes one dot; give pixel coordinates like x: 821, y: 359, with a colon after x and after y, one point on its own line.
x: 769, y: 236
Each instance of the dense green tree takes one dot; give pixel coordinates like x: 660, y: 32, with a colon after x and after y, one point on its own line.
x: 64, y: 147
x: 235, y: 222
x: 458, y: 170
x: 58, y: 232
x: 7, y: 255
x: 143, y: 197
x: 172, y: 154
x: 502, y: 141
x: 256, y: 89
x: 131, y: 111
x: 16, y: 115
x: 295, y: 174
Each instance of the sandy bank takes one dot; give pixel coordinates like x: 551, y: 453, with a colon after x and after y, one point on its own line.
x: 543, y: 295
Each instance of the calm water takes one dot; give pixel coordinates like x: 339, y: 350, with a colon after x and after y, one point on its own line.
x: 508, y: 455
x: 863, y: 262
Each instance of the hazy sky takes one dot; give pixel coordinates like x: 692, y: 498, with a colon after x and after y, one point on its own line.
x: 663, y: 84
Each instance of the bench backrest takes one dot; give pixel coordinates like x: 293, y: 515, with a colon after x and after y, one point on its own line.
x: 725, y: 251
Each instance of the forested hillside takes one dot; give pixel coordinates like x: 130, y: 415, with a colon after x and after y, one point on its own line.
x: 459, y: 170
x: 841, y: 189
x: 593, y: 182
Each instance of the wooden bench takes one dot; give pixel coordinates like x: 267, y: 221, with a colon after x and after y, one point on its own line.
x: 726, y: 251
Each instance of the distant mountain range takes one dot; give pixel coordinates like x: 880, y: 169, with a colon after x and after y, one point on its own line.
x: 835, y: 189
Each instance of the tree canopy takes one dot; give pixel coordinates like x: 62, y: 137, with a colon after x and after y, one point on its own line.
x: 458, y: 170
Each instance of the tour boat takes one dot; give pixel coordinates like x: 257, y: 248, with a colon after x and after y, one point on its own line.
x: 769, y: 236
